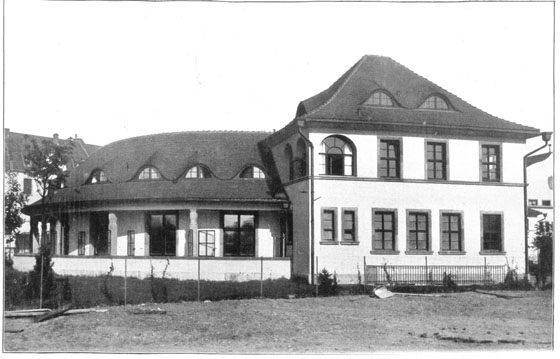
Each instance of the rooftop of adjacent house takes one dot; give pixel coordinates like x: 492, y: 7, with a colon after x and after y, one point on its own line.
x: 224, y: 153
x: 349, y: 99
x: 14, y: 149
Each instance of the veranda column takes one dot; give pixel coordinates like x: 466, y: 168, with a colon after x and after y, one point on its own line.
x: 113, y: 229
x: 34, y: 232
x: 193, y: 227
x: 58, y: 238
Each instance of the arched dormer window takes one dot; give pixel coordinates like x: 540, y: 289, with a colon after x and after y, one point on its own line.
x: 380, y: 98
x: 435, y: 102
x: 337, y: 156
x: 252, y: 172
x: 97, y: 176
x: 198, y: 171
x: 149, y: 173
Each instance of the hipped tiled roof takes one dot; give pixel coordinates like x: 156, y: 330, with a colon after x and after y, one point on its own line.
x: 344, y: 100
x: 14, y: 148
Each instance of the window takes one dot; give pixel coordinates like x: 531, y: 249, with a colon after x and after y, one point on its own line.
x: 289, y: 160
x: 533, y: 202
x: 24, y: 243
x: 300, y: 163
x: 451, y: 227
x: 163, y: 227
x: 27, y: 186
x: 130, y: 243
x: 206, y: 243
x: 97, y: 176
x: 349, y: 225
x: 328, y: 225
x: 384, y: 230
x: 546, y: 202
x: 436, y: 160
x: 389, y: 164
x: 81, y: 243
x: 149, y: 173
x: 418, y: 231
x: 435, y: 103
x: 379, y: 98
x: 252, y: 172
x: 490, y: 163
x: 492, y: 232
x: 337, y: 156
x: 239, y: 234
x: 198, y: 172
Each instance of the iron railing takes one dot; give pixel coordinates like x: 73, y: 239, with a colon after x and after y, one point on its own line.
x: 435, y: 274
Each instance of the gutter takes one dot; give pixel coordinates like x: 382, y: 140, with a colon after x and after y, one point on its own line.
x: 311, y: 175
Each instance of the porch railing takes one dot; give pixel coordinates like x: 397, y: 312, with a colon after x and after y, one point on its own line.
x: 435, y: 274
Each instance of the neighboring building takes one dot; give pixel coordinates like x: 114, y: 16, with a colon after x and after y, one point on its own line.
x: 14, y: 149
x: 540, y: 194
x: 382, y: 167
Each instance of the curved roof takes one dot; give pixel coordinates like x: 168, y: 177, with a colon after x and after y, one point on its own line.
x: 226, y: 154
x: 343, y: 100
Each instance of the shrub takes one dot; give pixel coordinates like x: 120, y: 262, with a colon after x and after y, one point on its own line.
x: 448, y: 281
x: 46, y: 287
x: 327, y: 283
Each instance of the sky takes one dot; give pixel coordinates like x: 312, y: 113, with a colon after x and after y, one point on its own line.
x: 110, y: 70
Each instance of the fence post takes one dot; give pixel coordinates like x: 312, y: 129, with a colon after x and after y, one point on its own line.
x: 198, y: 282
x: 486, y: 279
x: 365, y: 276
x: 125, y: 274
x: 426, y: 266
x: 261, y: 277
x: 317, y: 279
x: 41, y: 286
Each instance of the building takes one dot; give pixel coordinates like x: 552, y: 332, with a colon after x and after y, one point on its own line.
x: 383, y: 167
x: 14, y: 149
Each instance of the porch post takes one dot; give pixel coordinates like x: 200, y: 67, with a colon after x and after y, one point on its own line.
x: 193, y: 226
x: 34, y: 232
x: 113, y: 228
x: 58, y: 238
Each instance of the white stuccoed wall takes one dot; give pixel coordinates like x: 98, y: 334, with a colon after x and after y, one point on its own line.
x: 469, y: 196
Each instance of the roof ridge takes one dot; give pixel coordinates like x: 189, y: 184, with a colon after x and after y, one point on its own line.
x: 354, y: 70
x: 185, y: 132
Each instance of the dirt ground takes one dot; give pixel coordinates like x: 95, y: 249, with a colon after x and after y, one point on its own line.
x: 347, y: 324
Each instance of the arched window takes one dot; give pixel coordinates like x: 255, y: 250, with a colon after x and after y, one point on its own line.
x: 379, y: 98
x: 198, y: 172
x: 289, y: 159
x: 252, y: 172
x: 149, y: 173
x: 337, y: 156
x: 97, y: 176
x: 435, y: 102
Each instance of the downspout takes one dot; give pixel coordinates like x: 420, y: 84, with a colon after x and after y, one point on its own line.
x: 311, y: 204
x: 525, y: 206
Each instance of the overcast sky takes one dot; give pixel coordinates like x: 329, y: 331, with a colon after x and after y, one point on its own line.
x: 111, y: 70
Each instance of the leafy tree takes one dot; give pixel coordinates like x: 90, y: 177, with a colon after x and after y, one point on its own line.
x: 46, y: 162
x: 14, y: 200
x: 543, y: 242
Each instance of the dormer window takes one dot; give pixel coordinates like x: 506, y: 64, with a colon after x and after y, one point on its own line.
x: 379, y: 98
x: 149, y: 173
x: 198, y: 172
x: 97, y: 176
x: 252, y: 172
x: 435, y: 103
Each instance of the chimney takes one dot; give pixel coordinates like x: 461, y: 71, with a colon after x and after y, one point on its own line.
x: 55, y: 138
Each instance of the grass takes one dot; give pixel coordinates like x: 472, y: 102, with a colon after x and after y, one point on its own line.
x: 349, y: 324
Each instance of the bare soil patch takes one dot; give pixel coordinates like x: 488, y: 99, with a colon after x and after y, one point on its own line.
x: 350, y: 324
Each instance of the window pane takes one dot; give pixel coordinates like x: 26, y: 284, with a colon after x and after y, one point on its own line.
x: 230, y: 221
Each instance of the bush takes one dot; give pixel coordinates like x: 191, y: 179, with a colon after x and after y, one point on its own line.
x: 328, y: 284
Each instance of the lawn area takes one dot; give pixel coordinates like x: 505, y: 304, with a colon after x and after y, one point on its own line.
x: 347, y: 324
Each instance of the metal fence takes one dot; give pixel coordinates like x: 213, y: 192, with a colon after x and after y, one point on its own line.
x: 434, y: 274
